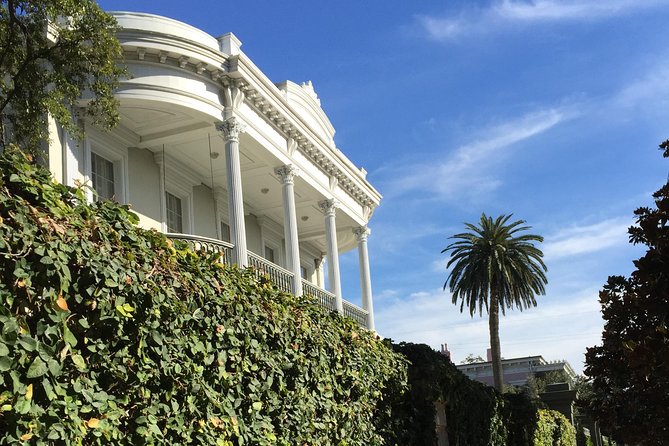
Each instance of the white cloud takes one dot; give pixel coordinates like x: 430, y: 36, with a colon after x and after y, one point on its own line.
x: 561, y: 327
x: 579, y: 240
x: 648, y: 90
x: 467, y: 170
x: 507, y: 13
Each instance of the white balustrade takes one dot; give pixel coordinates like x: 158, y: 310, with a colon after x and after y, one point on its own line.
x: 281, y: 277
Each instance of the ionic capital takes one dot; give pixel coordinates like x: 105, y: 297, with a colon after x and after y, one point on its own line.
x: 231, y: 128
x: 287, y: 173
x: 361, y: 233
x: 328, y: 207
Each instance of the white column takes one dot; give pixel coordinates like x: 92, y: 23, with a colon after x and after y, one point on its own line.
x: 231, y: 128
x: 287, y: 174
x: 329, y: 208
x: 361, y: 235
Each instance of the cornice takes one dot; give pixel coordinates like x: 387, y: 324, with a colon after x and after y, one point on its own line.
x: 261, y: 95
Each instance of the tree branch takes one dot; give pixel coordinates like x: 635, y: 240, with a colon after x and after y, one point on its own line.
x: 12, y: 31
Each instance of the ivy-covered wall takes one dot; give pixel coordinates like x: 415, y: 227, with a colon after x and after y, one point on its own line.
x: 114, y: 335
x: 477, y: 415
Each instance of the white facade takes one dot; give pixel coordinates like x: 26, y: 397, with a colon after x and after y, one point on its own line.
x: 210, y: 148
x: 516, y: 370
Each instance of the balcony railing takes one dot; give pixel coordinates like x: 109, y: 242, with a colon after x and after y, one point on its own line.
x: 206, y: 244
x: 325, y: 298
x: 356, y: 313
x: 281, y: 277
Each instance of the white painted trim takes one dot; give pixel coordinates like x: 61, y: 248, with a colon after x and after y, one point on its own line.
x: 118, y: 156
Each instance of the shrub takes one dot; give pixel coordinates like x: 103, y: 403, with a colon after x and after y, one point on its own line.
x: 553, y: 429
x: 113, y: 334
x: 476, y: 414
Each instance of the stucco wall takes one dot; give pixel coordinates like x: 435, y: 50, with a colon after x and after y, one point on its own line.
x: 253, y: 238
x: 144, y: 182
x: 204, y: 219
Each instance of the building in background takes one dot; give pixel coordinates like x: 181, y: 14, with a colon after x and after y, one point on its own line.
x: 211, y: 151
x: 517, y: 371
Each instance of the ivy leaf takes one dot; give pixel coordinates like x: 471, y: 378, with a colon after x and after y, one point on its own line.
x: 5, y: 364
x: 79, y: 361
x: 62, y: 303
x: 37, y: 368
x: 68, y: 336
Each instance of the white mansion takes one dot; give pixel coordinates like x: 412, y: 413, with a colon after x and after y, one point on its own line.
x: 210, y: 151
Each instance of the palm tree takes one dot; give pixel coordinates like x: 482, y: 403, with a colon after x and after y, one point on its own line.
x: 495, y: 267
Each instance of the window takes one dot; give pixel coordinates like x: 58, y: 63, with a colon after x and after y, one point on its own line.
x: 102, y: 175
x: 269, y: 254
x: 225, y: 232
x: 303, y: 272
x: 174, y: 213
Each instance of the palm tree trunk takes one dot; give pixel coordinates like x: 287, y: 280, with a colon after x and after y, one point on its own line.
x: 493, y: 322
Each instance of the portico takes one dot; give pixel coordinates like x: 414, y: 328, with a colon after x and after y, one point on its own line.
x: 210, y: 151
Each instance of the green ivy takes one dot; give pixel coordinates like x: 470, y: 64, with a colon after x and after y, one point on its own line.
x: 553, y: 429
x: 115, y: 335
x: 477, y: 415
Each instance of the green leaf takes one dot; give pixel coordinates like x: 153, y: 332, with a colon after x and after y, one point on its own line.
x: 5, y: 363
x: 28, y: 343
x: 4, y: 351
x: 257, y: 405
x: 68, y: 336
x: 37, y: 368
x: 79, y: 361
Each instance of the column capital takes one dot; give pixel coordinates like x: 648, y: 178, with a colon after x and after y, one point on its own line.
x: 328, y: 207
x: 287, y: 173
x: 231, y: 128
x: 361, y: 233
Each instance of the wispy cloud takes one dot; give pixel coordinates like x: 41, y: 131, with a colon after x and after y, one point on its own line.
x: 506, y: 13
x: 651, y: 89
x: 429, y: 317
x: 467, y: 169
x: 578, y: 240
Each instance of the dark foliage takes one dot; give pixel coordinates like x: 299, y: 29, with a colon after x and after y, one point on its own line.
x: 55, y: 57
x: 476, y: 414
x: 630, y: 370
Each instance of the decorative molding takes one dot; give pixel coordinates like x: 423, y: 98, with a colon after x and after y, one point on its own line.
x: 233, y: 94
x: 287, y: 173
x: 361, y: 233
x: 231, y: 128
x: 237, y: 90
x: 328, y: 207
x: 291, y: 145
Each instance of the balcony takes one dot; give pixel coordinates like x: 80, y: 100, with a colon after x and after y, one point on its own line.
x: 281, y: 277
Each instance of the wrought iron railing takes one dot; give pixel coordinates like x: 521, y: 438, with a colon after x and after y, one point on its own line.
x: 281, y: 277
x: 206, y: 244
x: 356, y: 313
x: 325, y: 298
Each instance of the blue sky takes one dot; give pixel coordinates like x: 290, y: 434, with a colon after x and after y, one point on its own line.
x: 548, y: 109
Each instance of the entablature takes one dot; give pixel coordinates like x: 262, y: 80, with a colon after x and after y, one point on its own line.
x: 190, y: 49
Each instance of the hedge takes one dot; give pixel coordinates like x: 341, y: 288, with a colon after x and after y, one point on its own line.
x: 112, y: 334
x: 477, y: 415
x: 553, y: 429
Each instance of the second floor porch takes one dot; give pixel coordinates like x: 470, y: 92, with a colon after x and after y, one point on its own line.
x: 281, y: 277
